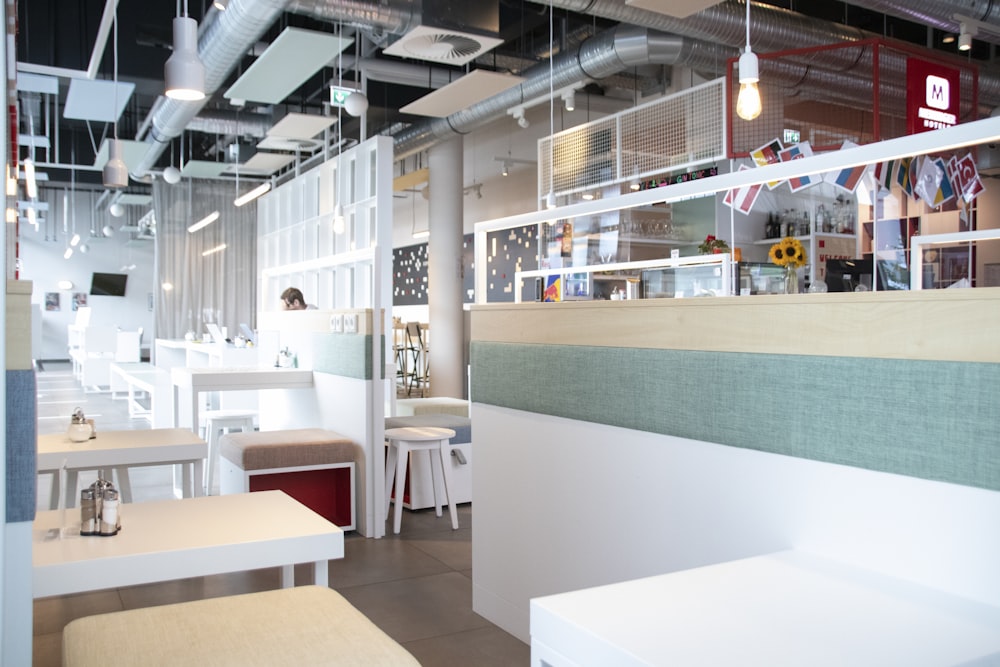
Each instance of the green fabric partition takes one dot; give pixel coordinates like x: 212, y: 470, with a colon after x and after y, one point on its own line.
x: 348, y: 355
x: 928, y: 419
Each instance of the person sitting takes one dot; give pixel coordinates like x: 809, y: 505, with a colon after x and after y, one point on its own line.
x: 292, y: 299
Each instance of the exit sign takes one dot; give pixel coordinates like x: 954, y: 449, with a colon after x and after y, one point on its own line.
x: 790, y: 137
x: 339, y: 95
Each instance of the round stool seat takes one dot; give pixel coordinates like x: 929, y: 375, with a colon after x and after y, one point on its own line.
x: 408, y: 439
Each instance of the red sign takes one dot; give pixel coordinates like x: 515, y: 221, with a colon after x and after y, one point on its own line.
x: 931, y: 95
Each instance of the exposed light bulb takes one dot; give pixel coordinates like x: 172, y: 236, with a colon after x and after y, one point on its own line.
x: 338, y: 219
x: 748, y: 104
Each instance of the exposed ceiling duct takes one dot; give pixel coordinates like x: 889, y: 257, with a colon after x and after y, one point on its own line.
x: 605, y: 54
x: 940, y: 14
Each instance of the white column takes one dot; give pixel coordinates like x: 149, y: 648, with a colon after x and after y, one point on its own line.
x: 444, y: 271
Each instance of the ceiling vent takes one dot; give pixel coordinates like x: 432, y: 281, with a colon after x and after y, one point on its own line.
x: 451, y: 32
x: 441, y: 45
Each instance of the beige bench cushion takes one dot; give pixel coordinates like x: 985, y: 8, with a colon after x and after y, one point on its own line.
x: 307, y: 625
x: 437, y: 405
x: 262, y: 450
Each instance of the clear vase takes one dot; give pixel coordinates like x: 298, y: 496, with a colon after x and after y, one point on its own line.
x: 791, y: 280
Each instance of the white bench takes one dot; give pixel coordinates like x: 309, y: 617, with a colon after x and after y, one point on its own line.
x: 307, y: 625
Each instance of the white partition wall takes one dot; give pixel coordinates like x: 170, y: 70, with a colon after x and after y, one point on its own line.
x: 328, y: 232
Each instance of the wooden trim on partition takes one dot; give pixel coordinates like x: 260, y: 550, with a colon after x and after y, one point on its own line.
x: 943, y: 325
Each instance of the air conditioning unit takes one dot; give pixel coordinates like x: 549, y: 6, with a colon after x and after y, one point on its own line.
x: 452, y: 32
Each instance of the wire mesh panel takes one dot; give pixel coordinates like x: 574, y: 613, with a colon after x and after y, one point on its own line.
x: 656, y: 138
x: 826, y: 95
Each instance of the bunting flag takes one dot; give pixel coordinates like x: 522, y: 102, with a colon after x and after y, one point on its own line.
x: 903, y: 175
x: 742, y: 199
x: 946, y: 191
x: 914, y: 175
x: 965, y: 177
x: 885, y: 172
x: 928, y: 180
x: 796, y: 152
x: 768, y: 154
x: 847, y: 179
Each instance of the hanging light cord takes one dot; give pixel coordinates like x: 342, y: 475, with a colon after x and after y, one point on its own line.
x: 115, y: 51
x: 748, y: 25
x: 552, y: 122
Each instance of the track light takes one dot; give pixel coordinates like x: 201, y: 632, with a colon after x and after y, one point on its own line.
x: 184, y: 73
x: 965, y: 36
x: 550, y: 200
x: 505, y: 170
x: 204, y: 222
x: 518, y: 115
x: 569, y: 99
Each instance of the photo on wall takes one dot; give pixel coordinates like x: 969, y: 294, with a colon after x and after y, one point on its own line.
x: 52, y: 301
x: 79, y: 299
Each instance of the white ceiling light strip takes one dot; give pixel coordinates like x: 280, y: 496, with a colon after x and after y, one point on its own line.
x: 204, y: 222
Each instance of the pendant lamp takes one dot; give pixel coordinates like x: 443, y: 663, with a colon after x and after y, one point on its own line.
x: 748, y: 104
x: 115, y: 172
x: 184, y: 73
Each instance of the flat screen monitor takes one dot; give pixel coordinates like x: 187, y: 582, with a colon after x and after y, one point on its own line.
x: 108, y: 284
x: 845, y: 275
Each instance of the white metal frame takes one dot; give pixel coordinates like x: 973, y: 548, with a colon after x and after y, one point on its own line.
x: 917, y: 244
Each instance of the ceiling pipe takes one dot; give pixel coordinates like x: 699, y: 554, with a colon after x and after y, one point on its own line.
x: 940, y: 14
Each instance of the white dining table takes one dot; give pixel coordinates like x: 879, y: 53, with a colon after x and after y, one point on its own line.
x: 182, y: 538
x: 118, y: 451
x: 194, y: 381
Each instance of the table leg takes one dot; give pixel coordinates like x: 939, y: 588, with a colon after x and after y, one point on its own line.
x: 177, y: 406
x: 199, y: 472
x: 124, y: 484
x: 321, y: 573
x: 195, y: 395
x: 54, y: 494
x: 287, y: 576
x: 69, y: 489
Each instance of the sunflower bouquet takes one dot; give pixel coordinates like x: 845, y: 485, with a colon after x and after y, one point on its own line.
x: 788, y: 252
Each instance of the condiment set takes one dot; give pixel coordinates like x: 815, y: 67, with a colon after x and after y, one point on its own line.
x: 80, y: 428
x: 99, y: 509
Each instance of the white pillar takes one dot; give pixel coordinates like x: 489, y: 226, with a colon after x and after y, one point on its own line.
x: 444, y: 271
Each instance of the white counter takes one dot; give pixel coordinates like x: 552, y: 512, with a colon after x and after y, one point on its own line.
x: 786, y: 608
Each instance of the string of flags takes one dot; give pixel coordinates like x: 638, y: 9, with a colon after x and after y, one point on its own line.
x: 934, y: 180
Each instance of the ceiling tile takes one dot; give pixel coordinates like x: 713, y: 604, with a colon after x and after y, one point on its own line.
x: 203, y: 169
x: 293, y: 57
x: 472, y: 88
x: 96, y: 100
x: 300, y: 126
x: 263, y: 164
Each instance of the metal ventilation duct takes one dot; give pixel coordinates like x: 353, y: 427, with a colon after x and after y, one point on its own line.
x: 940, y: 13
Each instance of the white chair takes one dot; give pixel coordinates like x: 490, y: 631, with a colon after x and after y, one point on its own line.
x: 217, y: 421
x: 408, y: 439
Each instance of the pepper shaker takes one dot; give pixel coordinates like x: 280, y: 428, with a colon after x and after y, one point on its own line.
x: 88, y: 512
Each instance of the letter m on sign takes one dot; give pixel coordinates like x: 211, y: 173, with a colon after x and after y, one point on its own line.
x: 938, y: 92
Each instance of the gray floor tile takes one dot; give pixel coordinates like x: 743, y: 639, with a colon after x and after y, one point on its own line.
x: 483, y: 647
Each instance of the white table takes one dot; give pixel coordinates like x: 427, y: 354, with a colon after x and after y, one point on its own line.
x: 119, y: 451
x: 196, y: 380
x: 786, y: 608
x: 177, y: 539
x: 147, y: 378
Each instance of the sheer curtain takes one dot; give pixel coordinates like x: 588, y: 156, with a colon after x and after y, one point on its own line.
x: 195, y: 289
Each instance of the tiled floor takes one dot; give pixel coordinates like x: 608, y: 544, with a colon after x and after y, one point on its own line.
x: 416, y: 586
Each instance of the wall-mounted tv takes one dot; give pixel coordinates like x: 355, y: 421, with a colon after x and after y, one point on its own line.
x: 108, y: 284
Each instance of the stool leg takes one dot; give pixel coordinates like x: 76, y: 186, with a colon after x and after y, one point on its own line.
x: 402, y: 458
x: 390, y: 474
x: 444, y: 452
x: 437, y: 498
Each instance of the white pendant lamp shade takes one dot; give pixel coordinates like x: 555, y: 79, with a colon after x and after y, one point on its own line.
x: 184, y: 72
x: 356, y: 104
x: 117, y: 210
x: 115, y: 171
x: 172, y: 175
x: 748, y: 104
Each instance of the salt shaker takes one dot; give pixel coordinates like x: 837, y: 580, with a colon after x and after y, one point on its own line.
x: 88, y: 512
x: 110, y: 523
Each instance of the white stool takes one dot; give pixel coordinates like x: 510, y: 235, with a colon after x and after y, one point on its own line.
x: 215, y: 422
x: 408, y: 439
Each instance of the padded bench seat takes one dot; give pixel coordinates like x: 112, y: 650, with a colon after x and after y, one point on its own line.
x: 407, y: 407
x: 314, y: 466
x: 417, y: 492
x: 306, y: 625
